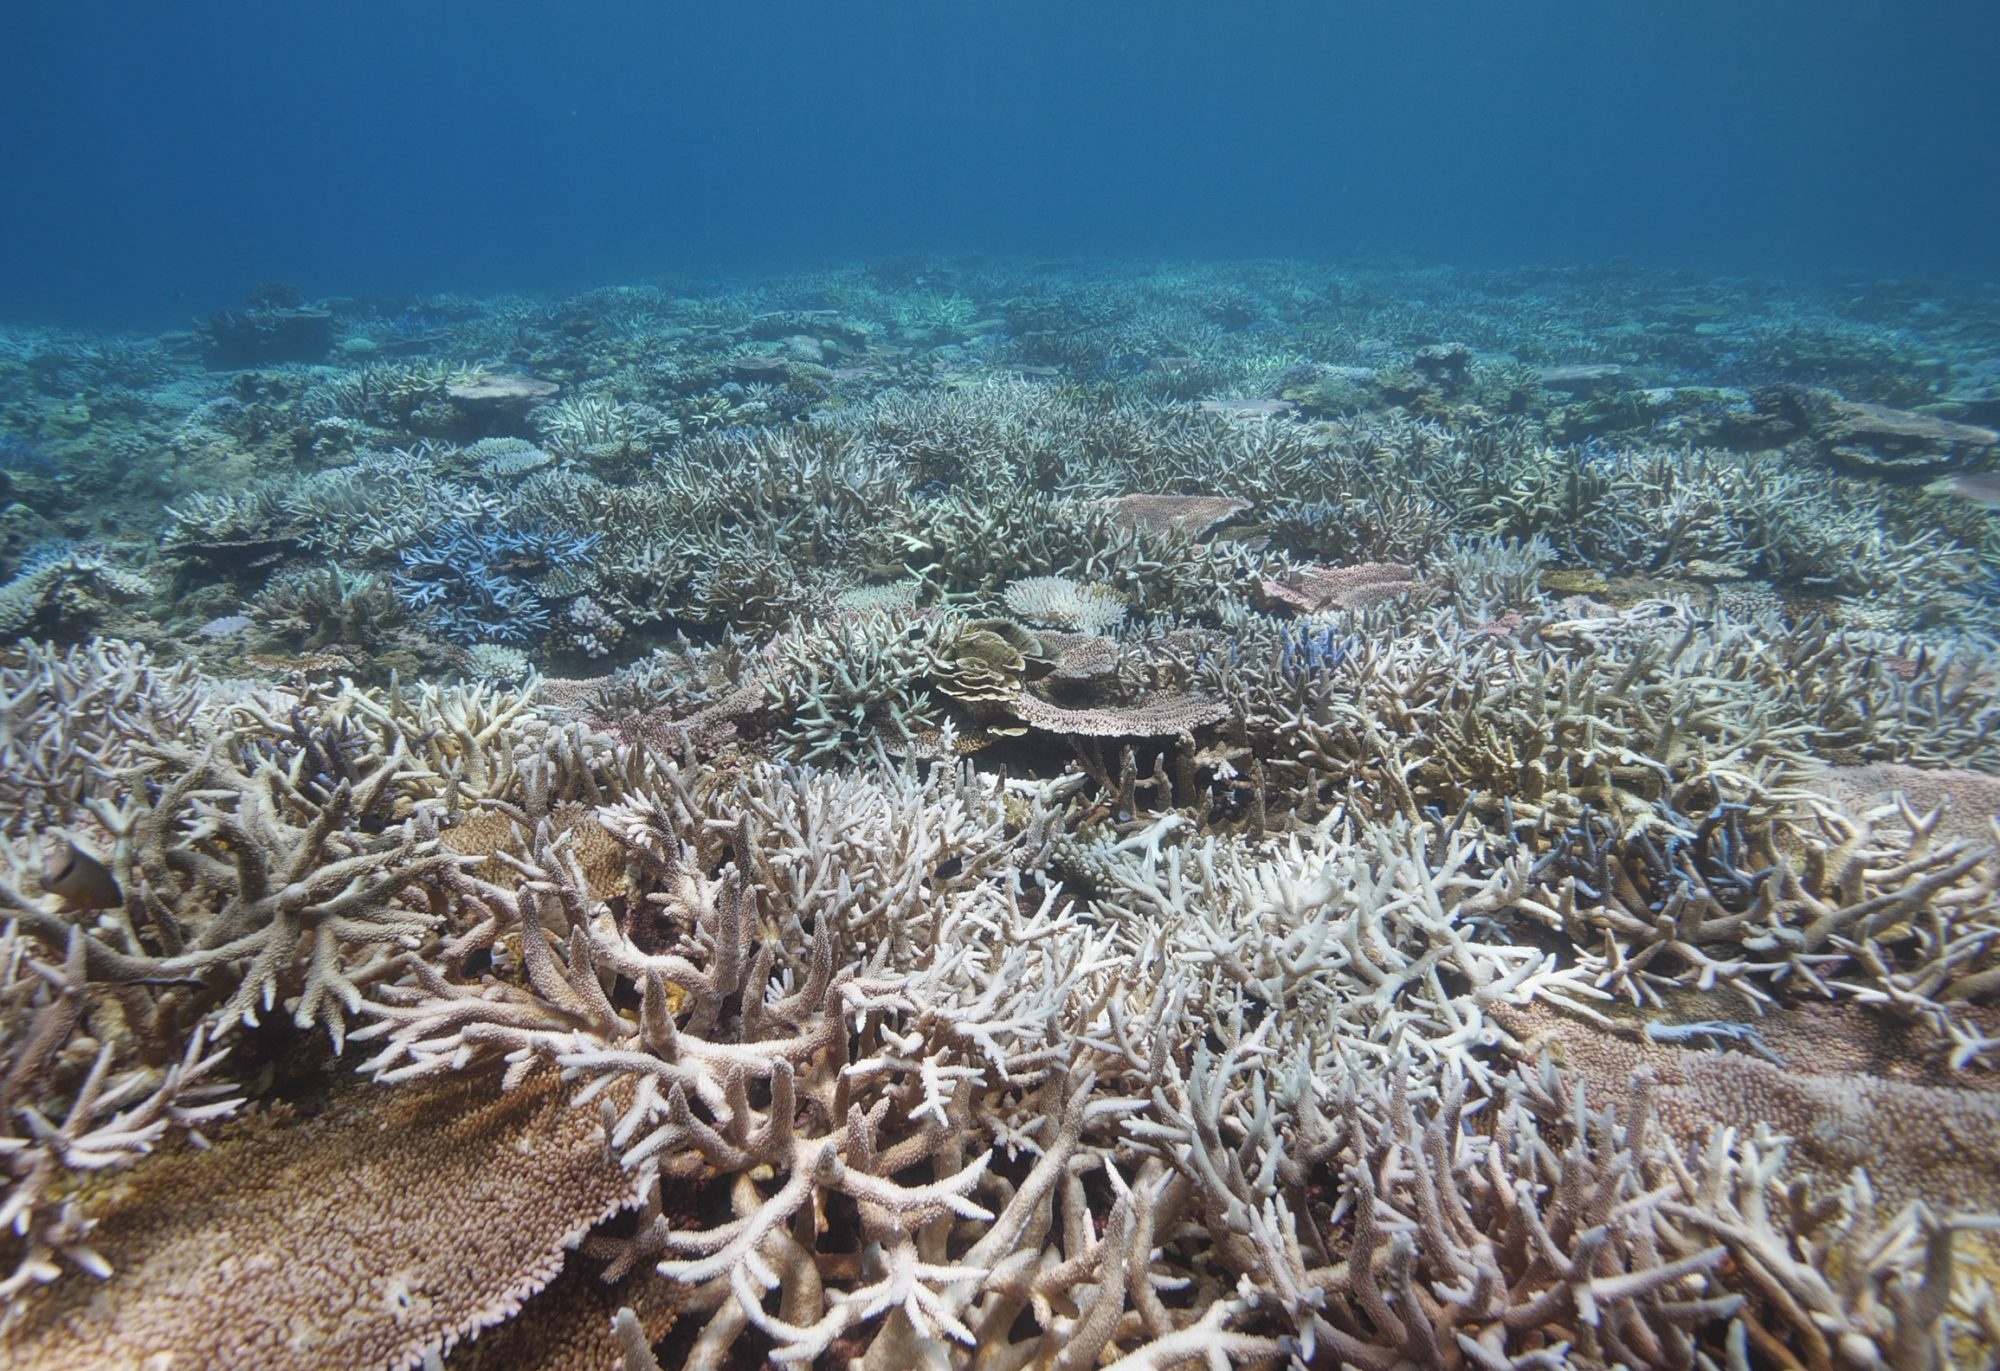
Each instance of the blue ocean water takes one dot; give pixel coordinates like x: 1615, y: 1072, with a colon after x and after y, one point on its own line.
x: 159, y: 159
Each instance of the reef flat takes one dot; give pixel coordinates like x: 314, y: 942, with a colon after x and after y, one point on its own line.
x: 965, y: 813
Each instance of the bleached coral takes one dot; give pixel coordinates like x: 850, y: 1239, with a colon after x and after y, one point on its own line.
x: 67, y: 591
x: 1376, y: 938
x: 1181, y: 1029
x: 507, y: 459
x: 319, y: 605
x: 74, y: 723
x: 1846, y: 1284
x: 1874, y: 905
x: 849, y: 683
x: 378, y: 504
x: 1098, y: 1131
x: 1058, y: 602
x: 1218, y: 1093
x: 55, y: 1125
x: 892, y: 596
x: 497, y: 662
x: 264, y: 850
x: 1154, y: 715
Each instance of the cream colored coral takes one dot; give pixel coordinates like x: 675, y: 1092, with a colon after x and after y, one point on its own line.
x: 1058, y: 602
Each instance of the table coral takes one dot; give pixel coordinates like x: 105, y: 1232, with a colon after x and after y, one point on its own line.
x: 392, y: 1225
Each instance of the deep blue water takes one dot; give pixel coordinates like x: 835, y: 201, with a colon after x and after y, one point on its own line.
x: 158, y: 159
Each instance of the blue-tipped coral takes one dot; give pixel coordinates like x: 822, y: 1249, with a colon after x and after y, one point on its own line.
x: 473, y: 582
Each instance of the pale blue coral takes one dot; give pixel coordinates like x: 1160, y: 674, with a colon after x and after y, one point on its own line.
x: 470, y: 580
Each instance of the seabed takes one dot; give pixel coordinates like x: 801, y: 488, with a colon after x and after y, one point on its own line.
x: 987, y: 814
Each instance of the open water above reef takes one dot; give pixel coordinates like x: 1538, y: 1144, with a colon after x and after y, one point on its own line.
x: 160, y: 160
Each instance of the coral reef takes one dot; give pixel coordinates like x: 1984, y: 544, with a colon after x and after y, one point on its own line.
x: 1261, y: 815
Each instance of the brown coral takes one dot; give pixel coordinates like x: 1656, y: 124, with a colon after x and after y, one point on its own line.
x: 396, y: 1222
x: 1310, y: 589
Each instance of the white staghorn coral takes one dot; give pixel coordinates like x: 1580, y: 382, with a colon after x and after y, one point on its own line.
x: 263, y: 849
x: 722, y: 1012
x: 894, y: 1048
x: 1376, y: 938
x: 1873, y: 905
x: 1197, y: 1021
x: 891, y: 1093
x: 1845, y: 1285
x: 74, y: 721
x: 52, y: 1130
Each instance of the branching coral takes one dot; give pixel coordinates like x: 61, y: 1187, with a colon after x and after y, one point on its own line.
x: 726, y: 1019
x: 1844, y: 1284
x: 1474, y: 661
x: 276, y: 887
x: 55, y: 1125
x: 851, y: 683
x: 1372, y: 938
x: 893, y: 1094
x: 900, y: 1082
x: 74, y: 723
x: 67, y: 592
x: 1858, y: 1210
x: 1874, y: 906
x: 274, y: 856
x: 318, y: 606
x: 473, y: 581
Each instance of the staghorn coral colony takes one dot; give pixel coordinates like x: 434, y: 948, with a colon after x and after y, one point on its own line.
x: 966, y: 814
